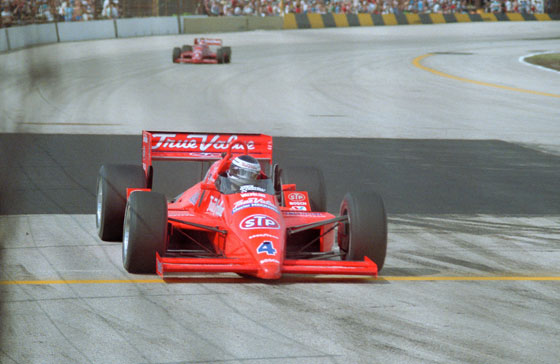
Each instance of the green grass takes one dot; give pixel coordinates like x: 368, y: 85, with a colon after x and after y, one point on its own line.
x: 549, y: 60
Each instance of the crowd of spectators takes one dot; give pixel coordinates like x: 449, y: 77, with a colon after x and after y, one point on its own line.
x: 20, y: 12
x: 274, y: 7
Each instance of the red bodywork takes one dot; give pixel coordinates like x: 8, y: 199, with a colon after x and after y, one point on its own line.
x: 201, y: 52
x: 248, y: 231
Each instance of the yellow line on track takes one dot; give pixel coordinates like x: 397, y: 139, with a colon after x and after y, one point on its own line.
x: 82, y: 281
x: 417, y: 60
x: 68, y: 124
x: 380, y: 278
x: 520, y: 278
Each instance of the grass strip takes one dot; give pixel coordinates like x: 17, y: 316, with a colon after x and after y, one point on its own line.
x: 549, y: 60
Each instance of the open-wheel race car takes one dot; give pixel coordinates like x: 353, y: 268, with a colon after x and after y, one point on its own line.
x: 237, y: 218
x: 204, y: 50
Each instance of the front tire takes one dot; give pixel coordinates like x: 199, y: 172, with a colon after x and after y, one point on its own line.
x: 112, y: 182
x: 220, y: 55
x: 176, y: 54
x: 365, y: 232
x: 144, y: 232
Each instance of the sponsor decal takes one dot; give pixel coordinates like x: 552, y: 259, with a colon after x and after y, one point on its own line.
x: 196, y: 142
x: 304, y: 214
x: 296, y: 196
x: 247, y: 188
x: 269, y: 260
x: 253, y: 202
x: 244, y: 164
x: 297, y: 201
x: 179, y: 213
x: 201, y: 155
x: 259, y: 221
x: 253, y: 194
x: 215, y: 206
x: 265, y: 205
x: 266, y: 247
x: 263, y: 236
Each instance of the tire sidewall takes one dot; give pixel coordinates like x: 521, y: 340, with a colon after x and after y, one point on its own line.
x: 366, y: 230
x: 145, y: 231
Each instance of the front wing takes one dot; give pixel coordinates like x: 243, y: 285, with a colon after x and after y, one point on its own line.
x: 190, y: 60
x: 177, y: 266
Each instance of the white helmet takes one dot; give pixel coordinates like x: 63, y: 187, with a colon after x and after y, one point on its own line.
x: 244, y: 170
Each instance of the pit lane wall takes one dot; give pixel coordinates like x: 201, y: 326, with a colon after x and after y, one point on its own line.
x: 36, y: 34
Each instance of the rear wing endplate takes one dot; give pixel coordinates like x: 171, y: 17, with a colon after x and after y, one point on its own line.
x: 184, y: 146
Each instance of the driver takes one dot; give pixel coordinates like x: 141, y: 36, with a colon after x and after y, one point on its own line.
x: 244, y: 170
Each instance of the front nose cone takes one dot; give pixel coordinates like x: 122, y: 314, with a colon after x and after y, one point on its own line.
x: 270, y: 269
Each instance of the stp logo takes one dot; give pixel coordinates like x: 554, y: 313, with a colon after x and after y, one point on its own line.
x: 258, y: 221
x: 296, y: 196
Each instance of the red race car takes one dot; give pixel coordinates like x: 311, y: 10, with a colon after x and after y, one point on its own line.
x: 238, y: 218
x: 204, y: 50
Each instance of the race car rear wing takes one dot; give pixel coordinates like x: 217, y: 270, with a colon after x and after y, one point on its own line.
x: 185, y: 146
x: 208, y: 41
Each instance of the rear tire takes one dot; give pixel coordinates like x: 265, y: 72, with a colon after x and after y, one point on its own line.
x: 220, y: 55
x: 176, y: 54
x: 145, y: 231
x: 186, y: 48
x: 308, y: 179
x: 365, y: 233
x: 112, y: 182
x: 227, y: 51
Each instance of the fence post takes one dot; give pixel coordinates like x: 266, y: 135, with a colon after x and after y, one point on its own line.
x: 56, y: 29
x: 116, y: 28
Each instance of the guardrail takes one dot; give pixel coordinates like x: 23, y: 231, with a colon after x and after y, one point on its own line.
x: 30, y: 35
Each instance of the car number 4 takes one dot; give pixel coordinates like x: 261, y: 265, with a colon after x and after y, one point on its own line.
x: 266, y: 247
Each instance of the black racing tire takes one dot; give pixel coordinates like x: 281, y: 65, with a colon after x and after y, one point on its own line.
x: 220, y: 55
x: 227, y: 51
x: 144, y: 232
x: 112, y: 182
x: 308, y: 179
x: 186, y: 48
x: 176, y: 54
x: 365, y: 232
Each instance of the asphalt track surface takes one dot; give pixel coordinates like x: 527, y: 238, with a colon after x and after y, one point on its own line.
x: 459, y: 137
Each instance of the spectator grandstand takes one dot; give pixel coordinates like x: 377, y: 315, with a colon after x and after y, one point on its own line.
x: 275, y: 8
x: 22, y: 12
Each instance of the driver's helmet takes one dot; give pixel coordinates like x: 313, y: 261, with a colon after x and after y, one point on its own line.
x: 244, y: 170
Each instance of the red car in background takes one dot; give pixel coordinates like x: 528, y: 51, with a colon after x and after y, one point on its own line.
x: 276, y: 224
x: 204, y: 50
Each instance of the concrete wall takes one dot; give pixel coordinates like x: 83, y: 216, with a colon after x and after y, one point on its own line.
x: 4, y: 40
x: 142, y: 27
x: 265, y: 23
x: 215, y: 24
x: 87, y: 30
x: 21, y: 37
x: 231, y: 24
